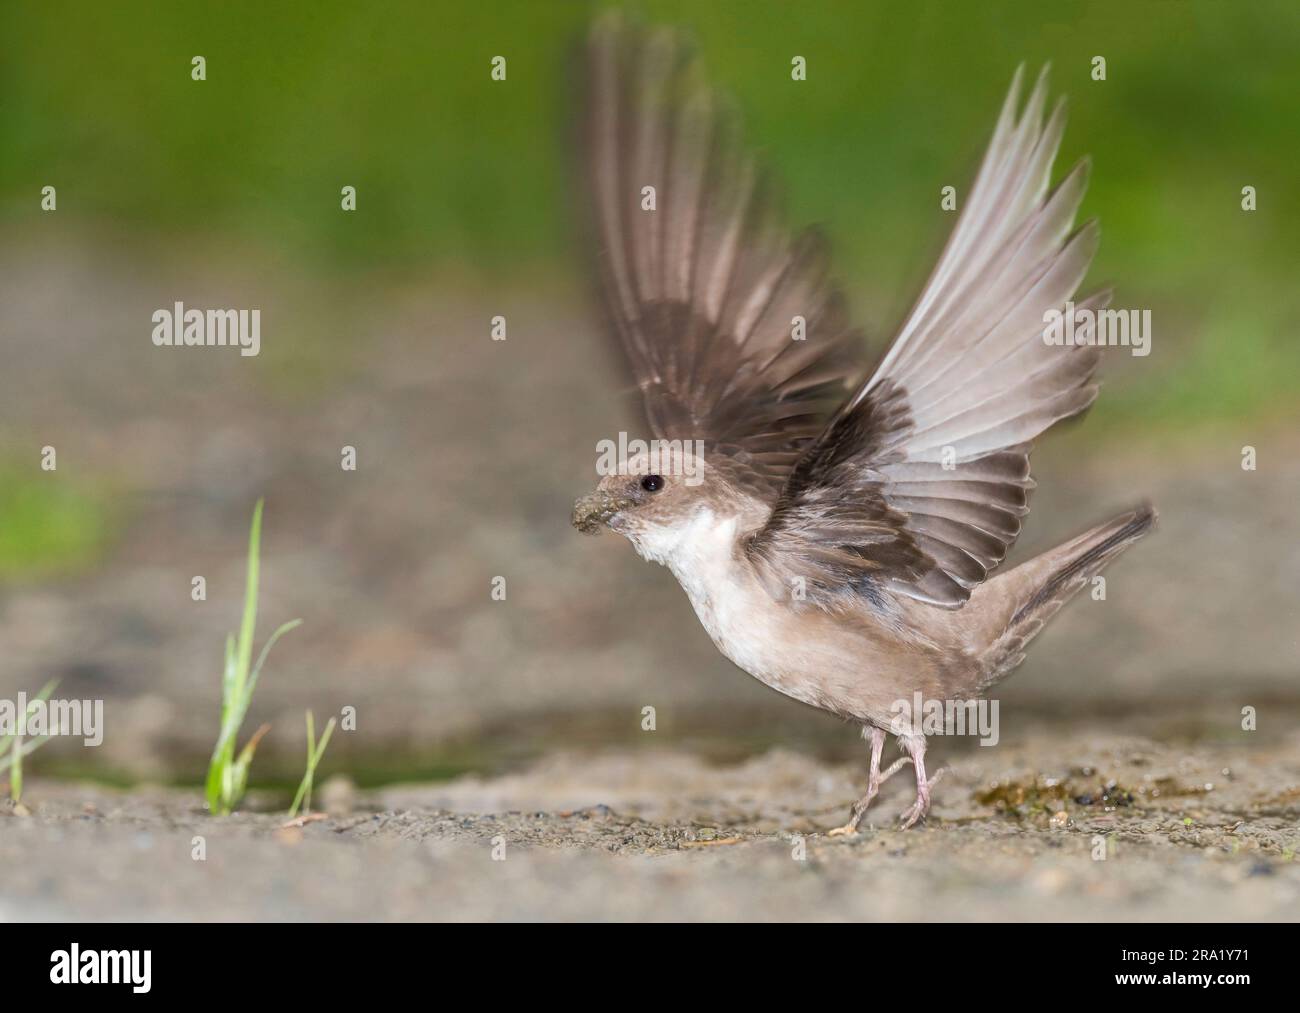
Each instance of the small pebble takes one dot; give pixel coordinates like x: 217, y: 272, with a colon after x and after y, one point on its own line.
x: 338, y: 795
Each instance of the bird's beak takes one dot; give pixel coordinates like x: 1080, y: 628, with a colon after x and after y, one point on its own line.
x: 595, y: 509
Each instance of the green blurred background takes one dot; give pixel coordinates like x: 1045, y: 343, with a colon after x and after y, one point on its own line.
x: 463, y: 180
x: 458, y: 175
x: 465, y: 197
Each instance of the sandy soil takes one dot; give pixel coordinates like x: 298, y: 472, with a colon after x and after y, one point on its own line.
x: 1204, y: 832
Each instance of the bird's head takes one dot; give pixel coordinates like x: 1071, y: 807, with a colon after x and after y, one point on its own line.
x: 648, y: 503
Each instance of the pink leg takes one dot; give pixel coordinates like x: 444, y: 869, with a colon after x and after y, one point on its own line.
x: 915, y: 748
x: 876, y: 736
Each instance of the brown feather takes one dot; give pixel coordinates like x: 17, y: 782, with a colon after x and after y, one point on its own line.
x: 703, y: 290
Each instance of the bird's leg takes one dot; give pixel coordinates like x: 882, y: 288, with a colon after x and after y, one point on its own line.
x: 874, y: 780
x: 915, y: 747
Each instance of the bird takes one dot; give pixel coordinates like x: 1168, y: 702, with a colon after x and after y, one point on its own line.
x: 838, y: 527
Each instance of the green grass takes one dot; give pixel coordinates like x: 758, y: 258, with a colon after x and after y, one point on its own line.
x: 315, y: 751
x: 13, y: 751
x: 228, y: 772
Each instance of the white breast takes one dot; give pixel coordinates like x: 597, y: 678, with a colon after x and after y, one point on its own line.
x: 739, y: 616
x: 801, y: 654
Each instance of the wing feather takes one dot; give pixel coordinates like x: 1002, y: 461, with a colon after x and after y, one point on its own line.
x: 703, y: 289
x: 920, y: 483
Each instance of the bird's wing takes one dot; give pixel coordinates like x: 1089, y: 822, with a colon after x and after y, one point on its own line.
x: 919, y: 483
x: 703, y: 289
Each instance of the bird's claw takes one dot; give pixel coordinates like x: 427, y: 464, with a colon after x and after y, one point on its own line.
x: 921, y: 807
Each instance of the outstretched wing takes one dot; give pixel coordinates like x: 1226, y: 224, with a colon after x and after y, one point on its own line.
x: 919, y: 483
x: 703, y: 284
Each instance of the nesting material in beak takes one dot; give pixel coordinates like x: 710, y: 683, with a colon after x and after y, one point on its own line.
x: 593, y: 511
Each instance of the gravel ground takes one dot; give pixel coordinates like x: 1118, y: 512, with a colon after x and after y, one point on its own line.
x: 1017, y: 832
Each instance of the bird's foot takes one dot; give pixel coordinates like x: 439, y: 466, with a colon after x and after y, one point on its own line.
x: 860, y: 806
x: 855, y: 817
x: 921, y: 807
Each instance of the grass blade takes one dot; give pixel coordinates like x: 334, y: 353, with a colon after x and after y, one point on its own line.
x: 30, y: 746
x: 41, y: 697
x: 261, y: 658
x: 227, y: 774
x: 314, y: 753
x: 12, y: 749
x: 16, y: 771
x: 248, y: 624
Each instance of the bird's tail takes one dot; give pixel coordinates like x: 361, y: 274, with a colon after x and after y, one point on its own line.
x: 1031, y: 593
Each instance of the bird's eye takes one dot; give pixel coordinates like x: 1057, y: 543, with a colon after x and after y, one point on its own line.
x: 652, y: 483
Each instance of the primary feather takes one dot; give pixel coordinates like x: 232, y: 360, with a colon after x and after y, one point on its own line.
x: 704, y: 288
x: 919, y: 484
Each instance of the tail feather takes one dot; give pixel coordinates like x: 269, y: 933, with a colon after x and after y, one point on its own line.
x: 1041, y: 586
x: 1085, y: 556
